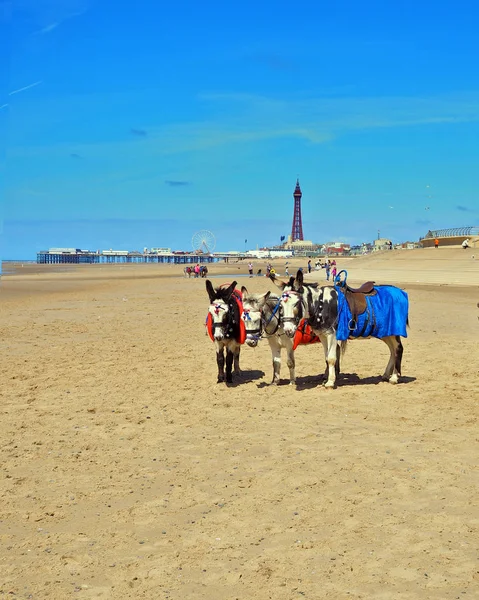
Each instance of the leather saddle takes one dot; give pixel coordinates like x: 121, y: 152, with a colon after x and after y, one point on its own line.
x: 356, y: 299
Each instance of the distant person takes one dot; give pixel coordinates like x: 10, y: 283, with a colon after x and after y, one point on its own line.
x: 334, y: 271
x: 436, y: 243
x: 328, y: 270
x: 309, y: 266
x: 465, y: 244
x: 197, y: 270
x: 390, y: 245
x: 250, y: 269
x: 286, y: 272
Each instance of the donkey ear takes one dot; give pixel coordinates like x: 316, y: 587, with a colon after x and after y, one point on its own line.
x: 262, y: 300
x: 229, y: 290
x: 210, y: 290
x: 298, y: 284
x: 244, y: 291
x: 277, y: 282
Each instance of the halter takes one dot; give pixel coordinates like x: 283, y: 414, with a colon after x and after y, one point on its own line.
x: 285, y: 297
x: 257, y: 333
x: 217, y: 308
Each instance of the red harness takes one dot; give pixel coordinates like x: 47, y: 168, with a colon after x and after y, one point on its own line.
x: 304, y: 335
x: 238, y: 296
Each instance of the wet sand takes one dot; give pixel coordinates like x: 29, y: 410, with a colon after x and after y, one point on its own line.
x: 129, y: 473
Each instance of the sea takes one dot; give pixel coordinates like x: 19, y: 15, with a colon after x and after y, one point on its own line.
x: 10, y: 267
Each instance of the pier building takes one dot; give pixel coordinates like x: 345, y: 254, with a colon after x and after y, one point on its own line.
x: 79, y: 256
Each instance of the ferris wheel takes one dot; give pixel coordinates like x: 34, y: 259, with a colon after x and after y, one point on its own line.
x: 203, y: 242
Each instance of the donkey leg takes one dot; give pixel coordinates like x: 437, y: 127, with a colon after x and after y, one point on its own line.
x: 220, y: 361
x: 331, y: 350
x: 291, y: 362
x: 393, y: 368
x: 229, y: 365
x: 337, y: 366
x: 398, y: 360
x: 236, y: 360
x: 276, y: 356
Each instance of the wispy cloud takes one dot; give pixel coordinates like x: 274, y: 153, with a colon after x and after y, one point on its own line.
x: 174, y: 183
x: 76, y: 156
x: 464, y: 209
x: 24, y: 88
x: 139, y: 132
x: 3, y: 106
x: 47, y: 28
x: 59, y: 14
x: 245, y: 119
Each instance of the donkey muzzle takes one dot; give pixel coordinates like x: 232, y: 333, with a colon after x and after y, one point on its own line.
x: 251, y: 340
x: 289, y: 329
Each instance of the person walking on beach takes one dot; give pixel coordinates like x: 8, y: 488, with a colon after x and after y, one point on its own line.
x: 328, y: 270
x: 250, y: 269
x: 436, y: 243
x: 309, y: 266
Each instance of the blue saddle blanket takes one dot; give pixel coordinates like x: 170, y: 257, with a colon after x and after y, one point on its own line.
x: 386, y: 314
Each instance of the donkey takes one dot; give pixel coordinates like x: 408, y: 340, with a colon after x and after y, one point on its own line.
x: 261, y: 316
x: 329, y: 313
x: 225, y: 328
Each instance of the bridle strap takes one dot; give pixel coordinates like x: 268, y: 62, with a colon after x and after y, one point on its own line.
x: 285, y: 296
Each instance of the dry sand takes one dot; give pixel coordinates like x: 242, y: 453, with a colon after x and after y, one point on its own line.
x: 127, y: 472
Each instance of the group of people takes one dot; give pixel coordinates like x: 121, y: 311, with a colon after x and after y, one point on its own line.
x: 197, y: 271
x: 329, y: 266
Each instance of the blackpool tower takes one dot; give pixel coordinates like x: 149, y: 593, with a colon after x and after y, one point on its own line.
x: 297, y: 229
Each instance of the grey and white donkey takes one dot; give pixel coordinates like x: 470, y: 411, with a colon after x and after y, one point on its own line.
x: 262, y: 319
x: 296, y: 300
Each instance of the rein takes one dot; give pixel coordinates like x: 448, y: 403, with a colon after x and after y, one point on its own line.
x: 259, y: 332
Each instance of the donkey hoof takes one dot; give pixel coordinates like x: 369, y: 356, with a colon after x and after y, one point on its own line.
x: 329, y: 385
x: 393, y: 379
x: 229, y: 380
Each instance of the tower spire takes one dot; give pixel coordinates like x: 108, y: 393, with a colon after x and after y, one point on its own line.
x: 297, y: 228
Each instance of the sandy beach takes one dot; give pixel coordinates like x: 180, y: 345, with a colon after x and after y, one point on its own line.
x: 128, y: 472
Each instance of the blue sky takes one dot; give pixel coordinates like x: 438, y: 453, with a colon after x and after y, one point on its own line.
x: 127, y: 125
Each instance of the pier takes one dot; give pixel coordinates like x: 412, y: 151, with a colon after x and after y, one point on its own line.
x: 77, y: 256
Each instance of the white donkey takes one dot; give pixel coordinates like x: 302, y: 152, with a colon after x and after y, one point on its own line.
x: 262, y: 318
